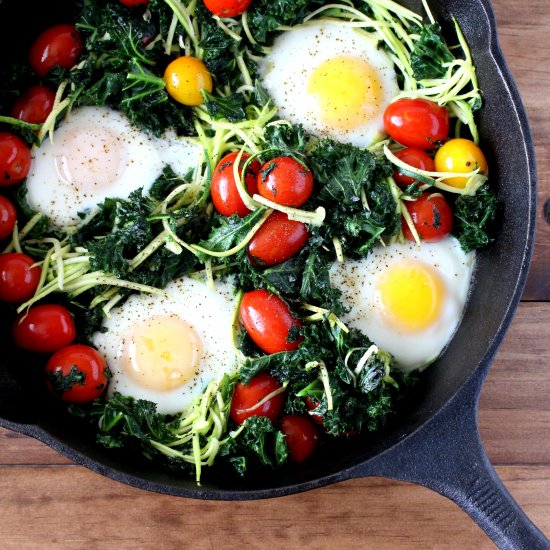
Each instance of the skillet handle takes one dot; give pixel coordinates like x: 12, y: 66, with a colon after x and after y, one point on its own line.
x: 447, y: 456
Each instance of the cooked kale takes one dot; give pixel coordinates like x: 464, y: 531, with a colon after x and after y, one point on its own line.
x: 430, y: 53
x: 475, y: 217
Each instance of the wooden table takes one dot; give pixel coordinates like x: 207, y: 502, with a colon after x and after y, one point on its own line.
x: 48, y: 502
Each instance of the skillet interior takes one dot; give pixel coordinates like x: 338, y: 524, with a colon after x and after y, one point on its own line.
x: 499, y: 278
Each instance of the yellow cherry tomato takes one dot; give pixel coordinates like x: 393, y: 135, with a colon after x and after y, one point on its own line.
x: 461, y: 156
x: 185, y: 77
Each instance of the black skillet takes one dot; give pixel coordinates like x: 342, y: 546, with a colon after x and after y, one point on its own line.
x: 436, y: 443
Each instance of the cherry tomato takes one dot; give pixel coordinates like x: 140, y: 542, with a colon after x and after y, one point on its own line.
x: 225, y: 196
x: 432, y: 216
x: 227, y: 8
x: 277, y: 240
x: 311, y: 405
x: 301, y: 437
x: 463, y: 156
x: 134, y: 3
x: 417, y: 123
x: 8, y: 217
x: 185, y: 77
x: 285, y: 181
x: 247, y: 396
x: 44, y: 328
x: 269, y: 322
x: 18, y: 278
x: 58, y: 46
x: 34, y: 105
x: 76, y: 374
x: 15, y: 159
x: 415, y: 158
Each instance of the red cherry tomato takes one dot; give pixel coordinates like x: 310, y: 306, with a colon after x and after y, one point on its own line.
x: 134, y: 3
x: 417, y: 123
x: 311, y: 405
x: 269, y: 322
x: 227, y: 8
x: 58, y: 46
x: 15, y: 159
x: 277, y: 240
x: 247, y: 396
x: 415, y: 158
x: 285, y: 181
x: 8, y: 217
x: 432, y: 216
x: 34, y: 105
x: 225, y: 196
x: 45, y: 329
x: 301, y: 437
x: 76, y: 374
x: 18, y: 278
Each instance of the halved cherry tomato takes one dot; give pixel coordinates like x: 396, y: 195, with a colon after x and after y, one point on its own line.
x: 18, y: 278
x: 44, y: 328
x: 269, y: 322
x: 15, y: 159
x: 58, y: 46
x: 76, y: 374
x: 415, y: 158
x: 277, y: 240
x: 285, y: 181
x: 227, y: 8
x: 463, y: 156
x: 302, y: 437
x: 134, y: 3
x: 34, y: 105
x: 8, y: 217
x: 185, y: 77
x: 246, y: 397
x: 225, y: 196
x: 417, y: 123
x: 432, y: 216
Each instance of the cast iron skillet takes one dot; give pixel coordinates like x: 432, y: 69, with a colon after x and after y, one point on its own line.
x: 436, y: 443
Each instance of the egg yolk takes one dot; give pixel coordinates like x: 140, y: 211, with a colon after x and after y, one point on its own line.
x: 91, y: 158
x: 163, y: 353
x: 348, y: 91
x: 410, y: 295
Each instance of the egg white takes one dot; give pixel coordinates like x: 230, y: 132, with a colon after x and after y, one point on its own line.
x: 357, y: 279
x: 95, y: 154
x: 209, y: 312
x: 286, y: 71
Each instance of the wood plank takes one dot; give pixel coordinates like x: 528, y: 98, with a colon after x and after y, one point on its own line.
x: 83, y: 510
x: 519, y: 24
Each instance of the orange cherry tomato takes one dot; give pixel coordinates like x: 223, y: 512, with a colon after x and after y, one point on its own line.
x: 269, y: 323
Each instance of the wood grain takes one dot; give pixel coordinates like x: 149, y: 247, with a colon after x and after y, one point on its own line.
x: 47, y: 502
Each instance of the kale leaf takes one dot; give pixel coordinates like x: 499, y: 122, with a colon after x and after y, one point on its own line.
x: 430, y: 53
x: 475, y: 217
